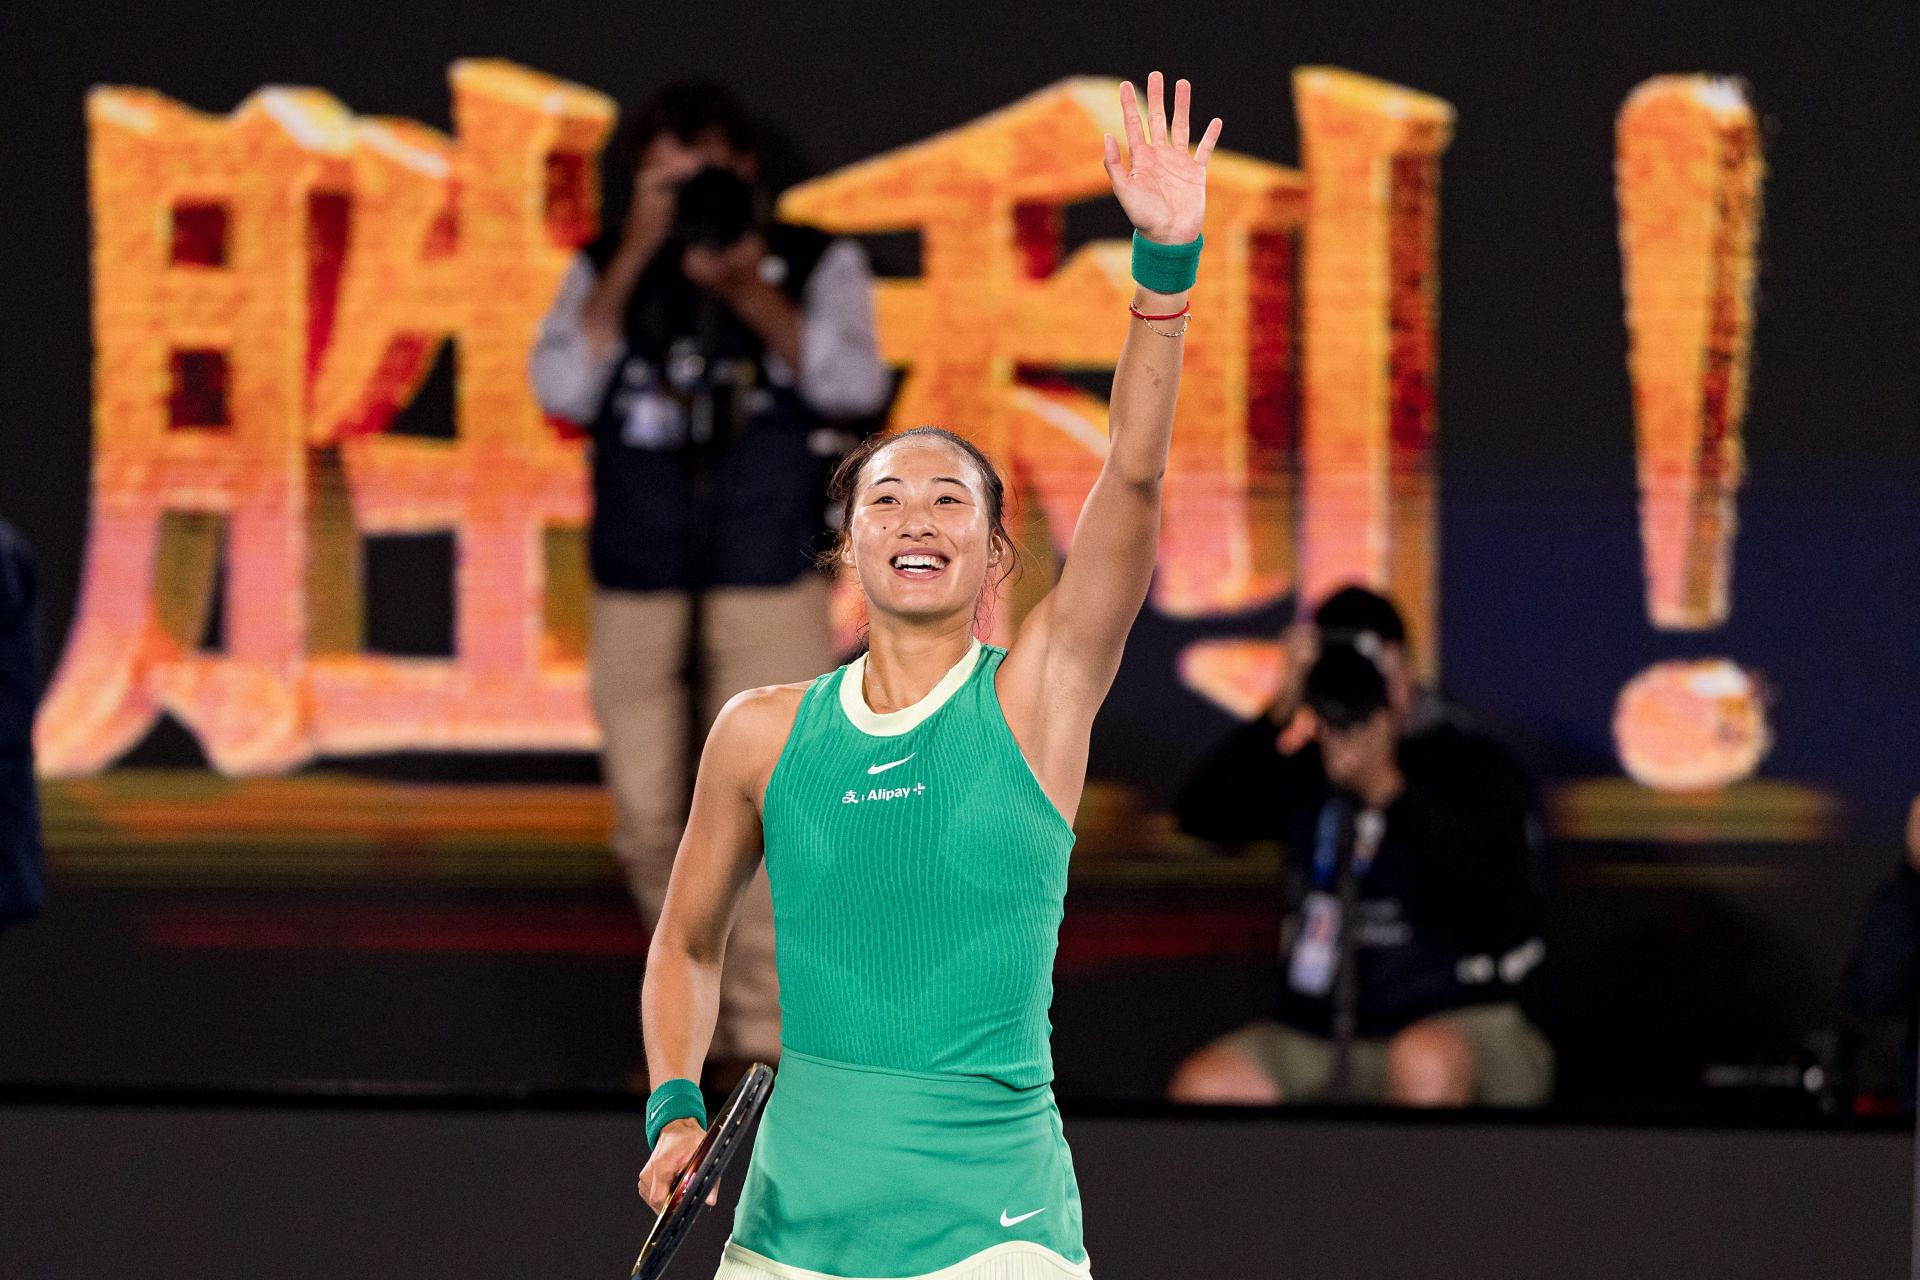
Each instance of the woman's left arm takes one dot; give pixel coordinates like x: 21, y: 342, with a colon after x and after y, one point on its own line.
x: 1069, y: 648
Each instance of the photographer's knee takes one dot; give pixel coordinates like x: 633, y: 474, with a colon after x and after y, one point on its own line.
x: 1430, y: 1064
x: 1220, y: 1075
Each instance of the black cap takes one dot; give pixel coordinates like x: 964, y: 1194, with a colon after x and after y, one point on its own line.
x: 1353, y: 611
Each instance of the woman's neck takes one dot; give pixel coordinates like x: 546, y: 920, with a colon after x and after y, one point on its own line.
x: 905, y: 663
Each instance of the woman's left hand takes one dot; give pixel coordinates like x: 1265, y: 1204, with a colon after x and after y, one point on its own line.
x: 1162, y: 186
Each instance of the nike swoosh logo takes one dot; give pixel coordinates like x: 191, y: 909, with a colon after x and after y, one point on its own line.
x: 1005, y: 1221
x: 892, y: 764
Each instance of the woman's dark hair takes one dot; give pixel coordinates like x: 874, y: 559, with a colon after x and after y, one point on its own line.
x: 844, y: 488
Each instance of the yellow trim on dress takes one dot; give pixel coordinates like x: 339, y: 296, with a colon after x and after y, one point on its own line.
x: 891, y: 724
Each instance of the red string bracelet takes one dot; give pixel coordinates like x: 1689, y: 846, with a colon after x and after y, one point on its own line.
x: 1138, y: 314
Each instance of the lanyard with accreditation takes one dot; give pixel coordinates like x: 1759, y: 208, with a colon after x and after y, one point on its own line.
x: 1318, y: 953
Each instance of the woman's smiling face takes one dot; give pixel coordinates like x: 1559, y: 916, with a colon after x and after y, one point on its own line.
x: 921, y: 538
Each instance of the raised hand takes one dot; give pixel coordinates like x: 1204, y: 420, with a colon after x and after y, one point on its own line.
x: 1161, y: 185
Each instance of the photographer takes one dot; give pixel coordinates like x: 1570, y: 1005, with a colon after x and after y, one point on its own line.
x: 1882, y: 984
x: 716, y: 358
x: 22, y: 886
x: 1413, y: 926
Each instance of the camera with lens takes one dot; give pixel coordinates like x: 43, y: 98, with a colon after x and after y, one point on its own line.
x: 714, y: 209
x: 1345, y: 686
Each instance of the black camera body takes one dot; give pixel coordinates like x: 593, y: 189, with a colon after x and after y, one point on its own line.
x: 1345, y: 687
x: 714, y: 208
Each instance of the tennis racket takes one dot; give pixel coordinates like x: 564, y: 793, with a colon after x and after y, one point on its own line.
x: 725, y: 1136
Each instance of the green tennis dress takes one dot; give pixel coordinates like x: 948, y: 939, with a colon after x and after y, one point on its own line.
x: 918, y: 876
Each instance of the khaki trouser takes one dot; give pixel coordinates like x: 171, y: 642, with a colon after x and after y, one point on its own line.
x: 750, y: 636
x: 1512, y: 1061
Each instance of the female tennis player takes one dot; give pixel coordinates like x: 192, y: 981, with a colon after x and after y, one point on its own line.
x: 914, y: 808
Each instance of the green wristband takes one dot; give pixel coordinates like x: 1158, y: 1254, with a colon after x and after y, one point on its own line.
x: 674, y: 1100
x: 1166, y: 268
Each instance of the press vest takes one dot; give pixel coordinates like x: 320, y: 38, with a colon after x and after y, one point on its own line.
x: 703, y: 474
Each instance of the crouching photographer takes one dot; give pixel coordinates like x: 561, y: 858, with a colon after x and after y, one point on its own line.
x: 721, y: 362
x: 1413, y: 925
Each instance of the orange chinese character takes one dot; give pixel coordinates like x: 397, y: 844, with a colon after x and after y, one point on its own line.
x: 272, y: 287
x: 268, y: 289
x: 994, y: 305
x: 1369, y: 289
x: 1368, y: 354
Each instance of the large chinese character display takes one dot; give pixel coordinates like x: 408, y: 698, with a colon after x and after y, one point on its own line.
x: 1347, y: 247
x: 995, y: 303
x: 271, y: 287
x: 269, y: 290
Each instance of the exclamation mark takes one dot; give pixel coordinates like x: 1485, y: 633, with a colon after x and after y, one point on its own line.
x: 1689, y: 174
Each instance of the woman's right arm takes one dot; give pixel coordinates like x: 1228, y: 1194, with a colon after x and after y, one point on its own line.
x: 680, y: 996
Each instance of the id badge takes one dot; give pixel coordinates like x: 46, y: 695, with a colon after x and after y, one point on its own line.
x: 654, y: 422
x: 1317, y: 950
